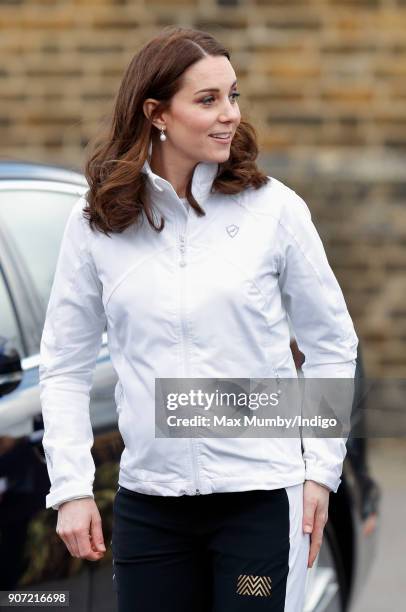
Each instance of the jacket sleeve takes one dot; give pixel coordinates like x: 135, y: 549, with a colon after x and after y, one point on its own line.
x: 70, y: 343
x: 322, y: 325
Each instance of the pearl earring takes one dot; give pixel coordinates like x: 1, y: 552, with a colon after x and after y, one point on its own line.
x: 162, y: 136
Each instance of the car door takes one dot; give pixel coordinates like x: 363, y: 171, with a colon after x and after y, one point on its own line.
x: 32, y: 218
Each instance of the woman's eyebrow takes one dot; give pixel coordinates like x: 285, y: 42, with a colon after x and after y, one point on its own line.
x: 212, y: 88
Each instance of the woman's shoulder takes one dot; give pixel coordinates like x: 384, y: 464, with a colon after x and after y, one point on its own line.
x: 77, y: 226
x: 275, y: 199
x: 79, y: 213
x: 76, y: 213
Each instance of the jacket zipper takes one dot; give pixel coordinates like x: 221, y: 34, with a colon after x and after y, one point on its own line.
x: 278, y: 382
x: 182, y: 264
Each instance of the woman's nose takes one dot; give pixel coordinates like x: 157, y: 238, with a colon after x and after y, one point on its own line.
x: 229, y: 118
x: 230, y: 112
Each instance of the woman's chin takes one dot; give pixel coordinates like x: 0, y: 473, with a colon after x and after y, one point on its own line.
x: 219, y: 156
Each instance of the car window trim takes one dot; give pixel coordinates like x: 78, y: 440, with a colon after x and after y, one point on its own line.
x: 14, y: 309
x: 18, y: 266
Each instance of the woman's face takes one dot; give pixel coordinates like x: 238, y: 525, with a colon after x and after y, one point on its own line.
x: 205, y: 105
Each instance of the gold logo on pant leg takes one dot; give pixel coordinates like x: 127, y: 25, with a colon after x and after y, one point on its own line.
x: 254, y: 585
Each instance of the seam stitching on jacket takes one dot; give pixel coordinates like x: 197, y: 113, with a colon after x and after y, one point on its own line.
x: 292, y: 235
x: 131, y: 269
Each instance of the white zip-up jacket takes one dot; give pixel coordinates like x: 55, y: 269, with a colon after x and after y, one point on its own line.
x: 208, y: 297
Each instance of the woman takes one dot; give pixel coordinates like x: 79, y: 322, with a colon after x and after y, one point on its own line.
x: 193, y: 258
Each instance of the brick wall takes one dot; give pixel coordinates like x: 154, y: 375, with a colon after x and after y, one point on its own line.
x: 324, y: 81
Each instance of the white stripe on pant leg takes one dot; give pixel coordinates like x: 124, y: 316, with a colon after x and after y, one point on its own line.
x: 298, y: 553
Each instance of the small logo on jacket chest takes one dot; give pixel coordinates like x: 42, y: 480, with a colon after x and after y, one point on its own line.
x: 232, y: 230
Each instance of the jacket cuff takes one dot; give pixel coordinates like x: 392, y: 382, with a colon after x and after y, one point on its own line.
x: 75, y: 491
x: 324, y: 478
x: 57, y: 506
x: 330, y: 370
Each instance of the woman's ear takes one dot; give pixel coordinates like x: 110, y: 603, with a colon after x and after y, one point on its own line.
x: 149, y: 107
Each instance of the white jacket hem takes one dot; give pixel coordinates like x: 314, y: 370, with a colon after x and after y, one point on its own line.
x: 209, y: 485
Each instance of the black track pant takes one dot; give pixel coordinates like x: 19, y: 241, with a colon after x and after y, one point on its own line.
x: 221, y: 552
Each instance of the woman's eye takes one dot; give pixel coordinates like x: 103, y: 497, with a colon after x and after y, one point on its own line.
x: 234, y: 95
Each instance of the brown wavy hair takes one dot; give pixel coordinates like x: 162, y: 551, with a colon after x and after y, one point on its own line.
x: 117, y: 193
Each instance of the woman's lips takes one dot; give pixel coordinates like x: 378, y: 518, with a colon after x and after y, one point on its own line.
x: 222, y: 140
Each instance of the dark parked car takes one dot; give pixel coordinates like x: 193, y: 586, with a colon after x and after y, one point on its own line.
x: 35, y: 201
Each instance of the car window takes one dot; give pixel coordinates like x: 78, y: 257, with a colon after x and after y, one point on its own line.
x: 35, y: 220
x: 8, y: 323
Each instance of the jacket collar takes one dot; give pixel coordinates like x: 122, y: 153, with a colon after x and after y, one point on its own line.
x: 164, y: 195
